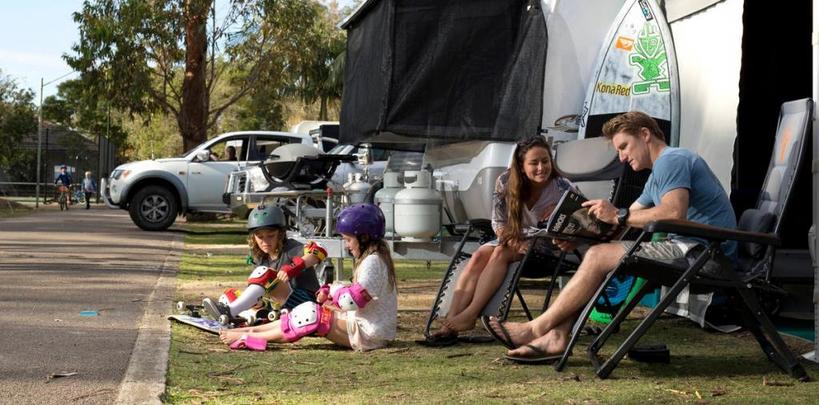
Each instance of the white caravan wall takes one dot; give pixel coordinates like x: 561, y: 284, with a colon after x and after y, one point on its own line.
x: 709, y: 53
x: 576, y: 30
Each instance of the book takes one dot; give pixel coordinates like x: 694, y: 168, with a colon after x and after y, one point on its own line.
x: 570, y: 220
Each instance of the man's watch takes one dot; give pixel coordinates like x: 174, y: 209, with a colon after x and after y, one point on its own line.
x: 622, y: 216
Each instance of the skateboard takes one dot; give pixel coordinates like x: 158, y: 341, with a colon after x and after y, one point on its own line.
x: 267, y: 312
x: 207, y: 325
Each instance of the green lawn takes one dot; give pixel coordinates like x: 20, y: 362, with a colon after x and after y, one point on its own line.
x: 10, y: 208
x: 705, y: 367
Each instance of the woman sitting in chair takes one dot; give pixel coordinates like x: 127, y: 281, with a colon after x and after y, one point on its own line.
x: 525, y: 194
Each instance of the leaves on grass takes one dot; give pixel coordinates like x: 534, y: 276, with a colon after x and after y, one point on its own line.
x: 60, y: 375
x: 774, y: 383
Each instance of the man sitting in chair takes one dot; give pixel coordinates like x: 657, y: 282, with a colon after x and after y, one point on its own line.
x: 681, y: 186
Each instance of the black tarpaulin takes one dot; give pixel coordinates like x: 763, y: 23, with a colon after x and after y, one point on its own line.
x: 434, y: 70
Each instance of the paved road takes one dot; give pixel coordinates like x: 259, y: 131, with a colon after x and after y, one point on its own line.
x: 53, y: 265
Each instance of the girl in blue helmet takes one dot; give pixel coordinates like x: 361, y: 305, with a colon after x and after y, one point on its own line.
x: 284, y: 267
x: 362, y: 315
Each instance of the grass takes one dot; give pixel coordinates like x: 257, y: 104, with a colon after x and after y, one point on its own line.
x: 10, y: 208
x: 705, y: 367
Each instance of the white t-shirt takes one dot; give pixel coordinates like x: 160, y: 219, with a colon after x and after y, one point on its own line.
x: 378, y: 320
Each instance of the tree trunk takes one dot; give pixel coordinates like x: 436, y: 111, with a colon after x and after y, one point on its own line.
x: 323, y: 110
x: 193, y: 114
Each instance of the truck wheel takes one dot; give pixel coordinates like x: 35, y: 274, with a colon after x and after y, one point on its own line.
x: 153, y: 208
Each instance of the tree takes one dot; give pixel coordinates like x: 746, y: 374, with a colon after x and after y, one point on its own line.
x: 143, y: 57
x: 17, y: 118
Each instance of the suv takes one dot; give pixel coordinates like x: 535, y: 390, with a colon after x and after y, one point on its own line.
x: 155, y: 191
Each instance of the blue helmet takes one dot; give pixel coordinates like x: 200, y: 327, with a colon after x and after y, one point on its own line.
x: 362, y: 220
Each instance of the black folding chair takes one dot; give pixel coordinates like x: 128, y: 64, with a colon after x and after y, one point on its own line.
x: 707, y: 270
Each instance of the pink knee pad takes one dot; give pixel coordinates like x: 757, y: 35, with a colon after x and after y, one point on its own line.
x: 307, y: 318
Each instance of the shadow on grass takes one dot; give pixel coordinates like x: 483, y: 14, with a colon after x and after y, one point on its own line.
x: 207, y: 233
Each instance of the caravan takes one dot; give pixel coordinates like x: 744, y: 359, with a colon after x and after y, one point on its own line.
x: 461, y: 81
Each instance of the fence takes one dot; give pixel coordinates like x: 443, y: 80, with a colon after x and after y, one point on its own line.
x: 27, y: 191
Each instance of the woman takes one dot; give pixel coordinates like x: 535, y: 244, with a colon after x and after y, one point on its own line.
x: 524, y: 194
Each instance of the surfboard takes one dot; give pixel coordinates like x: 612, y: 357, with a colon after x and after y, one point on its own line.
x: 636, y: 69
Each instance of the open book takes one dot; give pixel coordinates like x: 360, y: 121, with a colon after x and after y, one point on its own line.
x: 571, y: 221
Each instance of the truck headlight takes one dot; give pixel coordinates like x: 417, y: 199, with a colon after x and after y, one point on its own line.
x: 116, y: 174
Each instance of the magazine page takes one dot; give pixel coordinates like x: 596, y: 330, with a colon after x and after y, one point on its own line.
x: 571, y: 221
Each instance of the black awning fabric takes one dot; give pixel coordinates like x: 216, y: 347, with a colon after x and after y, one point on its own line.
x: 445, y: 70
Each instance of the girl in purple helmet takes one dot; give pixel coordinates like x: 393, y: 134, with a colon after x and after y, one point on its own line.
x: 362, y: 315
x: 524, y: 194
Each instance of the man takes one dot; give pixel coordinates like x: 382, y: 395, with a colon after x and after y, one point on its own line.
x: 89, y: 187
x: 63, y: 178
x: 681, y: 186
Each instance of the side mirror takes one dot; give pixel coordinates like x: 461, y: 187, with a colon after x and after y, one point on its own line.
x: 203, y: 155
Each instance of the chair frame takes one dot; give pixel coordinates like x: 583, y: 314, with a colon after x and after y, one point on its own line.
x: 656, y: 273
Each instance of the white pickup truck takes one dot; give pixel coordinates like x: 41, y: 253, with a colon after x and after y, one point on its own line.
x: 155, y: 192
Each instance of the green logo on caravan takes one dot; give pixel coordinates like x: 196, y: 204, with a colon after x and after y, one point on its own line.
x: 649, y: 55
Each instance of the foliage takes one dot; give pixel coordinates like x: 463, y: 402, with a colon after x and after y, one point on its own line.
x: 146, y: 57
x: 17, y: 118
x: 151, y: 138
x: 71, y: 108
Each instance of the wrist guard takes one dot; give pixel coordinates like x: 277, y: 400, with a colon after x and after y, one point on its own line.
x: 294, y: 268
x: 323, y: 289
x: 313, y: 248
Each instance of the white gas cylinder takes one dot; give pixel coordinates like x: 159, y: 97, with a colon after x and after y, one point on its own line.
x: 417, y: 208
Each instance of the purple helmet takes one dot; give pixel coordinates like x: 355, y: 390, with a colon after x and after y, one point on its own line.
x: 361, y: 219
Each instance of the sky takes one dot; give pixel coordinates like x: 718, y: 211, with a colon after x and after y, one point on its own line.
x: 34, y: 34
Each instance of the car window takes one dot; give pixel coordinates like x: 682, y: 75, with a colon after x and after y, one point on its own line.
x: 265, y: 144
x: 230, y: 149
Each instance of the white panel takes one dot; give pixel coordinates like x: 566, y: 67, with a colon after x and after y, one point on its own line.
x: 709, y: 53
x: 576, y: 30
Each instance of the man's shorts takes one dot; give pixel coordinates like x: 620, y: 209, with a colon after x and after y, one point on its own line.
x: 680, y: 254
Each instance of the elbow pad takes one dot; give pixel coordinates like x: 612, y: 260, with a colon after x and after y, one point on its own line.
x: 294, y: 268
x: 350, y: 297
x: 313, y: 248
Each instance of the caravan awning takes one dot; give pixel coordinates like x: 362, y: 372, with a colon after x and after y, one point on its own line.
x: 429, y: 70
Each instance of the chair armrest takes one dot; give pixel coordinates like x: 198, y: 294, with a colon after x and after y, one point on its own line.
x: 689, y: 228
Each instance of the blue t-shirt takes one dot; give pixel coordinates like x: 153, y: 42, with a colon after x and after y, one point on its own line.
x: 707, y: 201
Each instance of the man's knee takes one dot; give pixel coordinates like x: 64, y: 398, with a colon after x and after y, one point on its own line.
x: 603, y: 256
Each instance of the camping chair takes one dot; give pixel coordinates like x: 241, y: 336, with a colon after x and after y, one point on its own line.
x: 593, y: 167
x: 707, y: 269
x: 306, y: 173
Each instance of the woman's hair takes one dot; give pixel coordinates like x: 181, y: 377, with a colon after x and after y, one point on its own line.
x: 257, y: 253
x: 519, y: 187
x: 631, y: 123
x: 377, y: 247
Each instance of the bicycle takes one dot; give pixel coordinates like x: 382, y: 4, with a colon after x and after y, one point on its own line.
x: 62, y: 197
x: 77, y: 196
